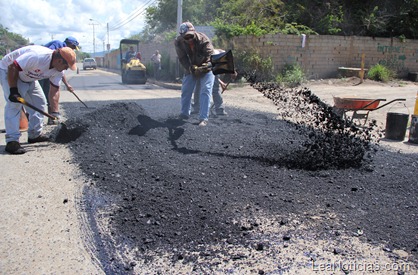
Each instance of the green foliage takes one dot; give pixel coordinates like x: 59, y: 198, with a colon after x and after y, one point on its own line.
x: 243, y: 12
x: 389, y: 18
x: 295, y: 28
x: 230, y: 30
x: 163, y: 16
x: 380, y: 72
x: 252, y: 66
x: 405, y: 20
x: 331, y: 21
x: 375, y: 21
x: 10, y: 41
x: 291, y: 76
x: 169, y: 37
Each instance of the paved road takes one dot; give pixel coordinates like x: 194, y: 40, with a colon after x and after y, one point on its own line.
x: 42, y: 229
x: 42, y: 226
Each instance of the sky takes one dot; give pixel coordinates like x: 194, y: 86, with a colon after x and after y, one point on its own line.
x: 41, y: 21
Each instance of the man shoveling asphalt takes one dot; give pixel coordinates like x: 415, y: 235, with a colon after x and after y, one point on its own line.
x: 19, y: 72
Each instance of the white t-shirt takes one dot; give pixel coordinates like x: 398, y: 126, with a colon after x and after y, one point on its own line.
x: 33, y: 62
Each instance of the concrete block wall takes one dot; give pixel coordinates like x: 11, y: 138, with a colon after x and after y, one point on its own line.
x: 323, y: 54
x: 320, y: 57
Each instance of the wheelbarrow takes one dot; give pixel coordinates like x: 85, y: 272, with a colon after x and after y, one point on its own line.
x: 361, y: 107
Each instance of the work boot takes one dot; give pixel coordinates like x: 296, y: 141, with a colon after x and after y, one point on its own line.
x: 14, y: 148
x: 221, y: 112
x: 183, y: 117
x: 40, y: 138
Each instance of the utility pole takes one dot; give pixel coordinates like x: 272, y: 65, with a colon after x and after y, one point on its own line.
x: 179, y: 13
x: 179, y: 21
x: 108, y: 43
x: 94, y: 37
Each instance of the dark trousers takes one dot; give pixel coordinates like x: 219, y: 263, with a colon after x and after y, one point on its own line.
x: 45, y: 87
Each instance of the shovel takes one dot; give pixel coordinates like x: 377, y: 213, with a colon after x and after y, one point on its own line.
x: 80, y: 100
x: 21, y: 100
x: 221, y: 63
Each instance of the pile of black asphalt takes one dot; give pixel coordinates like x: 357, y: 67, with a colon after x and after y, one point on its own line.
x: 170, y: 185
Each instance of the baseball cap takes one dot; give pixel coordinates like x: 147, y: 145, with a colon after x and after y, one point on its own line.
x: 69, y: 55
x: 72, y: 40
x: 186, y: 28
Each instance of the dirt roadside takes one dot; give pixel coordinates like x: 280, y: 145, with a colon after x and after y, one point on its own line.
x: 348, y: 87
x: 40, y: 231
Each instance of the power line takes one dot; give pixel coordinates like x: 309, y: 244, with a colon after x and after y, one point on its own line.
x: 133, y: 15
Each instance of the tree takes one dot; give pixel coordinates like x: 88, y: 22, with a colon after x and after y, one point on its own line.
x: 383, y: 18
x: 266, y: 14
x: 10, y: 41
x: 405, y: 22
x: 161, y: 18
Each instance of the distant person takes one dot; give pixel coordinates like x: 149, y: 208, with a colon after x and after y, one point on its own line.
x: 19, y: 72
x: 194, y: 50
x: 156, y: 59
x: 72, y: 43
x: 130, y: 54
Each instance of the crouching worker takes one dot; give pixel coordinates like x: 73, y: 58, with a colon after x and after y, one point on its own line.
x: 20, y: 71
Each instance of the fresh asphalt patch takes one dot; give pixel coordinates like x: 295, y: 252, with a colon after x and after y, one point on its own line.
x: 199, y: 193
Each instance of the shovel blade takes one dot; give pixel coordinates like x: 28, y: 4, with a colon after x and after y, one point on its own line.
x: 223, y: 63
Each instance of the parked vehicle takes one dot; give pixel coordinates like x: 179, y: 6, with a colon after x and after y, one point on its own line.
x: 132, y: 71
x: 89, y: 63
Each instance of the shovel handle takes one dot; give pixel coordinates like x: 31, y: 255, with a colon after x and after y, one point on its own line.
x: 21, y: 100
x: 78, y: 99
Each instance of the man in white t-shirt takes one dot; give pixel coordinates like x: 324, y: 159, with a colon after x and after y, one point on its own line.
x: 19, y: 72
x: 156, y: 59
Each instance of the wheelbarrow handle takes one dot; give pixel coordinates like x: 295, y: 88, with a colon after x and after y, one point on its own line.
x: 374, y: 101
x: 387, y: 103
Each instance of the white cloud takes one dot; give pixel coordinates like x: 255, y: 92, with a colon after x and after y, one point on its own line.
x: 40, y: 21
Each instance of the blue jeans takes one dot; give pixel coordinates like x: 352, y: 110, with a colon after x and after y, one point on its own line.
x: 205, y: 84
x: 33, y: 94
x: 216, y: 96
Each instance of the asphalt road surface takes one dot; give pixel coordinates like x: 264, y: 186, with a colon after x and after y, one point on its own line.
x: 131, y: 189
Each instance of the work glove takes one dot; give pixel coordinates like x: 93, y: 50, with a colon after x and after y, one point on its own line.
x: 56, y: 121
x: 206, y: 67
x: 14, y: 95
x: 197, y: 71
x: 194, y: 70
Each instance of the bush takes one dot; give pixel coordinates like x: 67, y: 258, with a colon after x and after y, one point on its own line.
x: 380, y: 73
x: 253, y: 67
x: 291, y: 76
